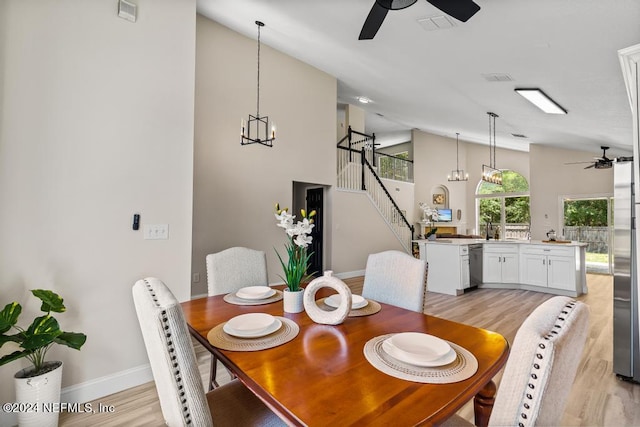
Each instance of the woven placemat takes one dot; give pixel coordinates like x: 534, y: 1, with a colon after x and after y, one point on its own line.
x: 232, y: 298
x: 460, y: 369
x: 220, y: 339
x: 371, y: 308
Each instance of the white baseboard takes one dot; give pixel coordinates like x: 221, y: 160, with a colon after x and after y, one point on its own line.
x: 94, y: 389
x: 349, y: 274
x: 104, y: 386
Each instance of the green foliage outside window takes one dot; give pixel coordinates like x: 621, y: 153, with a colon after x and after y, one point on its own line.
x: 512, y: 182
x: 516, y: 208
x: 591, y: 213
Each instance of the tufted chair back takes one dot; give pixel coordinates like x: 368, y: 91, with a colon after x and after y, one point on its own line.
x: 234, y: 268
x: 542, y: 365
x: 171, y: 354
x: 395, y: 278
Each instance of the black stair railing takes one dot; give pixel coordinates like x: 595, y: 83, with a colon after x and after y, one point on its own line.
x: 357, y: 171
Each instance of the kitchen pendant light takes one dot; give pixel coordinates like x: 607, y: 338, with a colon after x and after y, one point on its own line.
x: 458, y: 174
x: 489, y: 172
x: 257, y: 125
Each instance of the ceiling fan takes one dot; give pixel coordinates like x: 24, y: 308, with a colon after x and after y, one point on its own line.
x: 462, y: 10
x: 600, y: 162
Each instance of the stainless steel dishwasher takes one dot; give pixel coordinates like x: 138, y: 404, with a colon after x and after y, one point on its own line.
x: 475, y: 264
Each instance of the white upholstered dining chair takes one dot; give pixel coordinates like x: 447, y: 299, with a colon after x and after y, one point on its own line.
x: 228, y: 271
x: 175, y: 370
x: 235, y: 268
x: 542, y: 366
x: 395, y: 278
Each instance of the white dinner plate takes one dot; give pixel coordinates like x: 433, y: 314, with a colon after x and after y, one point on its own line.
x: 356, y: 301
x: 393, y: 351
x: 255, y: 292
x: 420, y: 346
x: 251, y: 322
x: 251, y: 327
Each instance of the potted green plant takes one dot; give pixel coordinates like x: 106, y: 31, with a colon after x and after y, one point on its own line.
x: 295, y: 269
x: 38, y: 384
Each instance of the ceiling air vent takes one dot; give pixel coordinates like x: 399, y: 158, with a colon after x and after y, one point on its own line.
x: 497, y: 77
x: 127, y: 10
x: 518, y: 135
x: 433, y: 23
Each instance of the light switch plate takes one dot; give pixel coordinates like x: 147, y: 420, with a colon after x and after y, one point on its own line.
x: 156, y: 231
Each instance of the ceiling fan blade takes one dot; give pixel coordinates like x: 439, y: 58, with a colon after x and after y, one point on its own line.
x: 396, y: 4
x: 576, y: 163
x: 374, y: 21
x: 592, y: 166
x: 462, y: 10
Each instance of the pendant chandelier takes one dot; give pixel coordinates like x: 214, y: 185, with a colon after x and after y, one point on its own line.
x: 258, y: 126
x: 458, y: 174
x: 490, y: 173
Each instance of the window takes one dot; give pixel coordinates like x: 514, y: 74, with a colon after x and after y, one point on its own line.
x: 505, y: 206
x: 397, y: 166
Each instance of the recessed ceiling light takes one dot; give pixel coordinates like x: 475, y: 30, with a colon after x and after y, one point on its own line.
x: 541, y: 100
x: 364, y: 100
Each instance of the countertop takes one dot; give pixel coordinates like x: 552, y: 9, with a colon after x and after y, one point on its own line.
x: 460, y: 242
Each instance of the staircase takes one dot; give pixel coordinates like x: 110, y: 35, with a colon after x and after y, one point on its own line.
x: 357, y: 172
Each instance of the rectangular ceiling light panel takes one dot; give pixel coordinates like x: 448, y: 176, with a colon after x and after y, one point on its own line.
x: 542, y: 101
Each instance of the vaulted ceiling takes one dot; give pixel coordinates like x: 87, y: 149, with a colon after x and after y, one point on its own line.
x: 445, y: 80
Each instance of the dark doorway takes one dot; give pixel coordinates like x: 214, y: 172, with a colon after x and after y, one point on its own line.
x: 315, y: 202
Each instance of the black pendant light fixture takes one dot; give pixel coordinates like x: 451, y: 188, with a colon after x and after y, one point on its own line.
x: 458, y: 174
x: 256, y: 129
x: 489, y: 172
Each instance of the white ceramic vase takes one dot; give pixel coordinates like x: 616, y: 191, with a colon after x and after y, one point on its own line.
x: 42, y: 390
x: 293, y: 301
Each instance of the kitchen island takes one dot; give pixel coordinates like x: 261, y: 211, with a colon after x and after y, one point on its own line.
x: 456, y: 265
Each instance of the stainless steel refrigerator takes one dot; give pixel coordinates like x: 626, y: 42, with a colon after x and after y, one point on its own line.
x: 626, y: 350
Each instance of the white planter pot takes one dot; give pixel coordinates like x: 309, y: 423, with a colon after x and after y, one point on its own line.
x: 293, y: 301
x: 42, y: 390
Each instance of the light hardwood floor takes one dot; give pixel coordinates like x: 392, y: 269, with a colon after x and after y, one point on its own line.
x: 598, y: 398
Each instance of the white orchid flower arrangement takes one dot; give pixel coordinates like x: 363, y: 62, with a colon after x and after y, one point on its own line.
x: 299, y: 233
x: 429, y: 216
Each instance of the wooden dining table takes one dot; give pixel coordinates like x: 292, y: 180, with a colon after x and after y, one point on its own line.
x: 322, y: 377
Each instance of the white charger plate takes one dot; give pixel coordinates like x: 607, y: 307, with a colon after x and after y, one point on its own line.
x: 255, y: 292
x: 252, y: 325
x: 420, y: 346
x: 393, y: 351
x: 356, y: 301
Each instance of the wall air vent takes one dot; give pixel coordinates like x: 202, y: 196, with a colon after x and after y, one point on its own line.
x: 127, y: 10
x: 497, y: 77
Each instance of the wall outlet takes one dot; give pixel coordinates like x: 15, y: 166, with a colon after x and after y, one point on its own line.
x: 156, y: 231
x: 196, y: 277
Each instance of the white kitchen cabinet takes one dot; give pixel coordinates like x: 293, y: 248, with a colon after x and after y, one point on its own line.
x: 459, y: 264
x: 500, y: 263
x: 551, y: 267
x: 448, y: 268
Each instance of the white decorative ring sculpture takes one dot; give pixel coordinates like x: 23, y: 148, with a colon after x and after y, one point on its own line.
x: 319, y: 315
